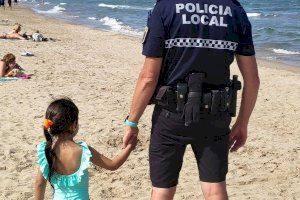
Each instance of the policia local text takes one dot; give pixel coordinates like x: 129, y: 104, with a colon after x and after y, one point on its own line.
x: 200, y: 14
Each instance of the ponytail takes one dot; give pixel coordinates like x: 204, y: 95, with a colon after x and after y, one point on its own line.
x: 49, y: 152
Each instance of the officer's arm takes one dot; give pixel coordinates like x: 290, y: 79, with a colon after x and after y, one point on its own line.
x: 248, y: 68
x: 145, y: 87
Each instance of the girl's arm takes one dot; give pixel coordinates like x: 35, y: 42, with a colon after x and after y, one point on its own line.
x: 2, y: 69
x: 17, y: 66
x: 111, y: 164
x: 40, y: 186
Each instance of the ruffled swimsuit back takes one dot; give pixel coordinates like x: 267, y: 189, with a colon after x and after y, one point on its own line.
x: 71, y: 187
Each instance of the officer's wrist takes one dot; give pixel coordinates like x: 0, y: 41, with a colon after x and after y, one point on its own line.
x: 131, y: 123
x: 242, y: 122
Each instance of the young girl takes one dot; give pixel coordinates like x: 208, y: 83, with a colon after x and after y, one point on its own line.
x: 63, y: 162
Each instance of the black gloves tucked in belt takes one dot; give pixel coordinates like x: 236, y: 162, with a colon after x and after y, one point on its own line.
x: 192, y: 107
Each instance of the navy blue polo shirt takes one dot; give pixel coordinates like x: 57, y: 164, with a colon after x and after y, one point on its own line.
x: 197, y: 36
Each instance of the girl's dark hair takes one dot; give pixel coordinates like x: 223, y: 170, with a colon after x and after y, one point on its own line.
x: 63, y: 113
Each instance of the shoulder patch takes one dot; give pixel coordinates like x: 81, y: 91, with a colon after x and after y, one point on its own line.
x: 236, y: 2
x: 145, y: 34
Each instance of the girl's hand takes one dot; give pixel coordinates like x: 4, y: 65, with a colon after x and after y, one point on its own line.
x: 129, y: 134
x: 13, y: 72
x: 132, y: 142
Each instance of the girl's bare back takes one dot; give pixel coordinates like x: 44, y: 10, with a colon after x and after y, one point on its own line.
x: 68, y: 158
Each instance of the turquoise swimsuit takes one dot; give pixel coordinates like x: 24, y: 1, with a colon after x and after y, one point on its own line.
x: 71, y: 187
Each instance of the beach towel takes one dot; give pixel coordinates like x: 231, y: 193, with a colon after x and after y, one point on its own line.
x: 20, y: 77
x: 6, y: 79
x: 24, y: 76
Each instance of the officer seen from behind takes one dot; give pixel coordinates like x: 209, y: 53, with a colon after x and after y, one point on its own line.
x: 189, y: 46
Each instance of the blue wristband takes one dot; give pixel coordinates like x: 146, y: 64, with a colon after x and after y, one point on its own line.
x: 131, y: 124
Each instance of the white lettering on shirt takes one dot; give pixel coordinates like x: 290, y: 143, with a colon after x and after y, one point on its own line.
x: 206, y: 14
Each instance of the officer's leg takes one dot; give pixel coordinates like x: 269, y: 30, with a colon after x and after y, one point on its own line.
x: 165, y: 165
x: 214, y: 191
x: 165, y: 156
x: 212, y: 159
x: 163, y: 193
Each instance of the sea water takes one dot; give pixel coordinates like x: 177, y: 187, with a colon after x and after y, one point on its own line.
x: 275, y: 24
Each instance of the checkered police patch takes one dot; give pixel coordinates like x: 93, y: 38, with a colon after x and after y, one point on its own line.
x: 201, y: 43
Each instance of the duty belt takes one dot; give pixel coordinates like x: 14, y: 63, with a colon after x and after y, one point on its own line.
x: 211, y: 101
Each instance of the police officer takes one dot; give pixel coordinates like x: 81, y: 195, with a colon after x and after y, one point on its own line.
x: 189, y: 46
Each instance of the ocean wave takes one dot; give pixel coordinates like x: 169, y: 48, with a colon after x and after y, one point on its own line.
x: 123, y: 7
x: 118, y: 26
x: 253, y: 14
x: 271, y: 15
x: 56, y: 9
x: 266, y: 29
x: 92, y: 18
x: 283, y: 51
x: 62, y: 3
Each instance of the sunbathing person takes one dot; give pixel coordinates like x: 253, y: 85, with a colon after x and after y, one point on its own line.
x: 9, y: 67
x: 15, y: 34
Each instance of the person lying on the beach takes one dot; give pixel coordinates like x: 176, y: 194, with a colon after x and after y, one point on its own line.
x: 62, y: 161
x: 37, y: 37
x: 9, y: 67
x: 15, y: 34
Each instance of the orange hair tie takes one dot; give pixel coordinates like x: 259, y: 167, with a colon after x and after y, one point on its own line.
x: 47, y: 123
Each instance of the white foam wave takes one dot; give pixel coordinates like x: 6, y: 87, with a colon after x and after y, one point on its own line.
x: 118, y: 26
x: 253, y: 14
x: 92, y: 18
x: 283, y: 51
x: 62, y: 4
x: 56, y: 9
x: 46, y: 3
x: 123, y: 7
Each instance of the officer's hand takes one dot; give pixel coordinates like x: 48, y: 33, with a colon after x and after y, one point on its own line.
x: 237, y: 137
x: 130, y: 133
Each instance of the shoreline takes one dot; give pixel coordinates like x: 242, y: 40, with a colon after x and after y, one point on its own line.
x: 98, y: 71
x: 278, y: 64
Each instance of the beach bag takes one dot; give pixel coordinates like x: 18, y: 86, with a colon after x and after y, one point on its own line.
x: 37, y: 37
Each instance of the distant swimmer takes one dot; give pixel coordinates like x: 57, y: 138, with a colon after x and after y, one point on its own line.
x: 2, y: 4
x: 9, y: 4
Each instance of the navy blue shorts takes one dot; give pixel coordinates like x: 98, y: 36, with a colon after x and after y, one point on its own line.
x: 169, y: 138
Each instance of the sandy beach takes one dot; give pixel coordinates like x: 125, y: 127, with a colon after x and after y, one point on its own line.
x: 98, y: 70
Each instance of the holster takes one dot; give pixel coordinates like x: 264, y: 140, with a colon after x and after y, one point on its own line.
x: 181, y: 93
x: 165, y: 97
x: 235, y: 85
